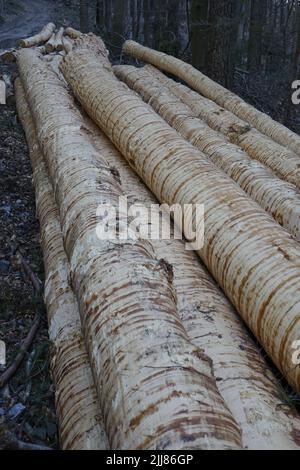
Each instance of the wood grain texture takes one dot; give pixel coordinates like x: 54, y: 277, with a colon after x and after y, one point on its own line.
x: 156, y: 389
x: 79, y: 416
x: 254, y: 260
x: 279, y: 198
x: 282, y: 161
x: 39, y: 38
x: 212, y: 90
x: 244, y: 379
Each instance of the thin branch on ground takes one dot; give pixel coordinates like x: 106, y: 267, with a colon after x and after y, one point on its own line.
x: 9, y: 442
x: 11, y: 370
x: 27, y: 342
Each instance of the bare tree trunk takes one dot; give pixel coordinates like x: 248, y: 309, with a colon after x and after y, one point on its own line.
x: 173, y: 26
x: 118, y: 26
x: 297, y: 48
x: 233, y: 365
x: 39, y: 38
x: 149, y: 22
x: 108, y: 15
x: 223, y: 41
x: 200, y: 30
x: 100, y: 13
x: 255, y: 35
x: 84, y: 16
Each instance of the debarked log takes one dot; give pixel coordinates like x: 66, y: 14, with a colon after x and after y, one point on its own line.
x: 39, y: 38
x: 79, y: 415
x: 279, y: 198
x: 244, y: 378
x: 254, y: 260
x: 283, y: 162
x: 212, y: 90
x: 156, y: 389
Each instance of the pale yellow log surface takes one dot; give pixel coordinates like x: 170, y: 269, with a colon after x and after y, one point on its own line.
x: 55, y: 42
x: 50, y: 45
x: 225, y: 98
x: 255, y: 261
x: 156, y: 388
x: 78, y: 410
x: 67, y: 43
x: 39, y: 38
x: 244, y: 379
x: 253, y: 399
x: 284, y: 162
x: 72, y: 33
x: 279, y: 198
x: 58, y: 40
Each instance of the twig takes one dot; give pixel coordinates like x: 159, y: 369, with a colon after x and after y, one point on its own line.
x: 9, y: 441
x: 35, y: 281
x: 29, y: 367
x: 11, y: 370
x: 37, y: 285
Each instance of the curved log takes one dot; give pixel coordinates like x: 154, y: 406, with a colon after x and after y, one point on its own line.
x: 279, y: 198
x: 212, y: 90
x: 283, y: 162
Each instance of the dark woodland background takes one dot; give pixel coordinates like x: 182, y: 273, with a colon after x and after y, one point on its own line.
x: 251, y: 46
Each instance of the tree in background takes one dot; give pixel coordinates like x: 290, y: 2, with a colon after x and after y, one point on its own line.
x: 84, y: 16
x: 249, y: 46
x: 257, y: 20
x: 100, y: 14
x: 222, y: 41
x: 118, y: 25
x: 200, y: 31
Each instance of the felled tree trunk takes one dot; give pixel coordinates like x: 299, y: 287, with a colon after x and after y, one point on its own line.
x: 73, y: 33
x: 280, y: 199
x: 250, y: 256
x: 79, y: 415
x: 55, y: 43
x: 50, y: 45
x: 137, y: 345
x: 39, y: 38
x: 283, y: 162
x: 244, y: 379
x: 67, y: 43
x: 217, y: 93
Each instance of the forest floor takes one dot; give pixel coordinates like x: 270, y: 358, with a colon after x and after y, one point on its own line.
x: 27, y: 403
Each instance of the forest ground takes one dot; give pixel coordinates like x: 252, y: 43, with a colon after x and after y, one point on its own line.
x: 27, y: 403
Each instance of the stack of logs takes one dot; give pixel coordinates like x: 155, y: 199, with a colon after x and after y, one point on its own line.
x: 148, y: 351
